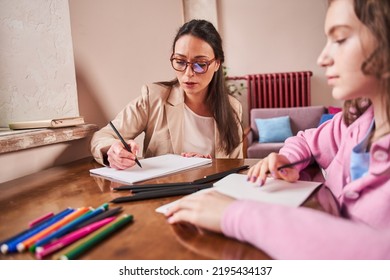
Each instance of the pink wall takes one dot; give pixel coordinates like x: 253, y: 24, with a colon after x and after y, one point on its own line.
x: 118, y: 46
x: 121, y: 45
x: 275, y: 36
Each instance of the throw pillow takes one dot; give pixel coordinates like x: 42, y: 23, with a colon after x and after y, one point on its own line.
x: 334, y: 110
x: 325, y: 117
x: 274, y: 129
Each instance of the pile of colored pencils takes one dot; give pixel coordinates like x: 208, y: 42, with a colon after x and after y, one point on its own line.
x: 68, y: 233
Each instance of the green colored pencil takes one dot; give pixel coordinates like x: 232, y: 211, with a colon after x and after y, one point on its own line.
x: 97, y: 237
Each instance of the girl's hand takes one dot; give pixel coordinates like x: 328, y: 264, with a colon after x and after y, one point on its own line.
x: 192, y: 154
x: 269, y: 166
x: 204, y: 210
x: 119, y: 157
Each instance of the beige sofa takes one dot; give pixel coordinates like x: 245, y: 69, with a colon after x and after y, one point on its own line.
x: 301, y: 118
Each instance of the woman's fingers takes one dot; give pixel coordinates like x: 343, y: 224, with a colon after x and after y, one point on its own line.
x: 119, y: 157
x: 193, y: 154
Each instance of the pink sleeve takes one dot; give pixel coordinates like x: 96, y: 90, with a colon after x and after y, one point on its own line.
x: 303, y: 233
x: 323, y: 142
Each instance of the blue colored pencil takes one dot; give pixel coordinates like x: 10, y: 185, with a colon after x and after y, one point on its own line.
x: 69, y: 227
x: 11, y: 245
x: 31, y: 226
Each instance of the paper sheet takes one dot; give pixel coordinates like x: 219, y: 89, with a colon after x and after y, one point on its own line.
x: 151, y: 168
x: 273, y: 191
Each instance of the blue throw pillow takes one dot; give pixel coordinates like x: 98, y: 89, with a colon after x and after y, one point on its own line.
x: 274, y: 129
x: 325, y: 117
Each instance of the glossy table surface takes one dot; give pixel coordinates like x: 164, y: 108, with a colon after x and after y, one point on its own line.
x: 149, y: 236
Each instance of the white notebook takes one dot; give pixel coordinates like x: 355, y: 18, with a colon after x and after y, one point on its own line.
x: 274, y: 191
x: 151, y: 168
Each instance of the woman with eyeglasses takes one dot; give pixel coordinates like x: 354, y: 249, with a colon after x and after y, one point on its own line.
x: 193, y: 115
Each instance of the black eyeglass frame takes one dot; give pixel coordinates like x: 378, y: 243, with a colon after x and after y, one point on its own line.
x: 207, y: 62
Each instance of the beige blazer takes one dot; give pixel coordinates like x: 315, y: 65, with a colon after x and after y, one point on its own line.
x: 159, y: 113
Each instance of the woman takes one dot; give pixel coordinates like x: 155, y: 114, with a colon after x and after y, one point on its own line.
x: 192, y: 115
x: 353, y: 148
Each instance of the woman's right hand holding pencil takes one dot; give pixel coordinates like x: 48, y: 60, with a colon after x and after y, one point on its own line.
x: 119, y: 157
x: 271, y: 165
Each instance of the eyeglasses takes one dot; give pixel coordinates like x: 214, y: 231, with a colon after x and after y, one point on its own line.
x: 199, y: 67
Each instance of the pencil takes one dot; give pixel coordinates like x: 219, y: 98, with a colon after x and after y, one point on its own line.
x: 205, y: 179
x: 29, y: 242
x: 101, y: 216
x: 31, y: 225
x: 10, y: 246
x: 69, y: 226
x: 127, y: 147
x: 294, y: 163
x: 77, y: 243
x: 161, y: 193
x: 40, y: 219
x: 70, y: 238
x: 97, y: 237
x: 288, y: 165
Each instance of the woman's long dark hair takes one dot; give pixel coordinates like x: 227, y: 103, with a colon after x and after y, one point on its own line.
x: 217, y: 98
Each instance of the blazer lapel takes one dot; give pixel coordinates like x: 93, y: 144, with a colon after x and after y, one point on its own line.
x: 175, y: 115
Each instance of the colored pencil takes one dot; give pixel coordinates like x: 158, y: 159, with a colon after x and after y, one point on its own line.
x: 32, y: 247
x: 70, y: 238
x: 97, y: 237
x: 40, y: 219
x: 68, y: 227
x: 36, y: 222
x: 101, y: 216
x: 30, y: 241
x: 10, y: 246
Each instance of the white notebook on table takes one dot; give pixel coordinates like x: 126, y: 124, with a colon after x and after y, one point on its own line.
x: 151, y: 168
x: 274, y: 191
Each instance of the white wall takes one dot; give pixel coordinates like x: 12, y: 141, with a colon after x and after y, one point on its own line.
x: 37, y: 76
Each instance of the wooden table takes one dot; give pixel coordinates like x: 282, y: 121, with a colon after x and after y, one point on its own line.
x: 148, y: 237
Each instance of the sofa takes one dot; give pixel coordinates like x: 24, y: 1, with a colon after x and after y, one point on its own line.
x: 295, y: 119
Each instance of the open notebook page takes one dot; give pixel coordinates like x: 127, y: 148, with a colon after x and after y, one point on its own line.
x: 274, y: 191
x: 151, y: 168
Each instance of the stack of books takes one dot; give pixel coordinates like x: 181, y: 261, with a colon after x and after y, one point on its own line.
x: 68, y: 233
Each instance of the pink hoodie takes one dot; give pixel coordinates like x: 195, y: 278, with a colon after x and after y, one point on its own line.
x: 303, y: 233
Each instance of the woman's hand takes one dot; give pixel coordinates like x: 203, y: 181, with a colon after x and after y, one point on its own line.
x: 203, y: 209
x: 193, y: 154
x: 269, y: 165
x: 119, y: 157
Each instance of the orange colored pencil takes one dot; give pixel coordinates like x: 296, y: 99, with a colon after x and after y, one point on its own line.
x: 28, y: 242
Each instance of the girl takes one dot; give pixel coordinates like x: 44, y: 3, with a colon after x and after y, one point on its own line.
x: 353, y: 149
